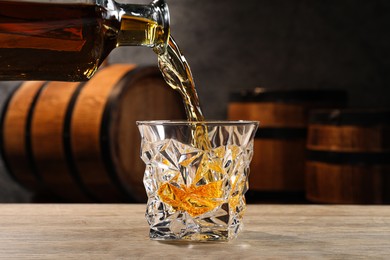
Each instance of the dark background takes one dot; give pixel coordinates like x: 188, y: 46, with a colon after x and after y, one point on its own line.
x: 233, y: 45
x: 322, y: 44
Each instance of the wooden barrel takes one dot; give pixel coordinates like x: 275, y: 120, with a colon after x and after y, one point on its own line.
x: 279, y: 149
x: 79, y: 140
x: 349, y: 157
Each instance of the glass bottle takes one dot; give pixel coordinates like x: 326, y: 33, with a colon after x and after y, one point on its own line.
x: 67, y: 40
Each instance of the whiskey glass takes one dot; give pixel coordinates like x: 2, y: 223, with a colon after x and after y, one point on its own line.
x: 196, y: 177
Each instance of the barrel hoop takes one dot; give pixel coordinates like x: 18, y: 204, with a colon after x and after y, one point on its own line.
x: 335, y: 97
x: 28, y: 144
x: 281, y: 133
x: 67, y: 140
x: 105, y: 144
x: 349, y: 158
x: 3, y: 114
x: 346, y: 117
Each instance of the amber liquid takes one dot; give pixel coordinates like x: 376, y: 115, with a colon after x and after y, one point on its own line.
x: 177, y: 74
x: 205, y: 192
x: 67, y: 42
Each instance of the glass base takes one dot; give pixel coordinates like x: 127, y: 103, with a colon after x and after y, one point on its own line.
x: 215, y: 235
x: 220, y: 224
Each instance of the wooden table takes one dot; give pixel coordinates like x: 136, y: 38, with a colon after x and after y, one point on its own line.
x: 107, y: 231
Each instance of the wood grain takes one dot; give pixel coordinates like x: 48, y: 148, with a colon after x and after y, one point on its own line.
x: 46, y: 135
x: 348, y: 157
x: 85, y: 131
x: 347, y: 183
x: 278, y: 163
x: 348, y: 138
x: 86, y: 231
x: 270, y: 114
x: 14, y: 134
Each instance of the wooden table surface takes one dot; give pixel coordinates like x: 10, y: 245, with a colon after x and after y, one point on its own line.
x: 110, y: 231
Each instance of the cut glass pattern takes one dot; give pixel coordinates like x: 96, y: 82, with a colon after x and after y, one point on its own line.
x: 196, y: 194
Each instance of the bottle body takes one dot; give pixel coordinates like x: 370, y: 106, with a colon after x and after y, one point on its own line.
x: 67, y: 40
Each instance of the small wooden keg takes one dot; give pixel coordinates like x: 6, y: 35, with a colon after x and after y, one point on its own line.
x: 279, y: 150
x: 79, y: 140
x: 349, y: 157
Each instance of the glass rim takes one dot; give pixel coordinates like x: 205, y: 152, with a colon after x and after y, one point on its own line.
x: 188, y: 123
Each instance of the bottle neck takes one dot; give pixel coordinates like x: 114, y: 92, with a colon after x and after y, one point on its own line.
x: 144, y: 25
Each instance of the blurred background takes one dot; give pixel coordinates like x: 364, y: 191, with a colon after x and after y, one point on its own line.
x: 285, y: 44
x: 275, y: 44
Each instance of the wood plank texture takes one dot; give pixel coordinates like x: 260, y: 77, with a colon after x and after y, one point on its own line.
x: 110, y: 231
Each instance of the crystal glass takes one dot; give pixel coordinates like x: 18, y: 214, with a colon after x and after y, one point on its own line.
x: 196, y: 176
